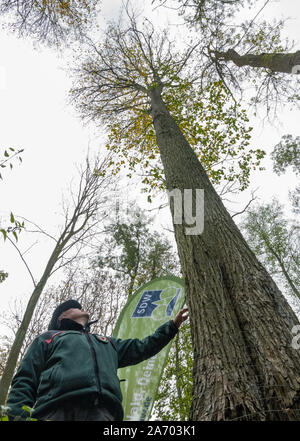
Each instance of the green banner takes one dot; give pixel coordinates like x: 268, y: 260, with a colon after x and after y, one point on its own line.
x: 153, y: 304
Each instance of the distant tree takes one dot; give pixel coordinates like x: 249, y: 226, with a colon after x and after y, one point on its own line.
x: 79, y: 225
x: 276, y: 243
x: 286, y: 154
x: 294, y: 196
x: 135, y: 254
x: 175, y: 394
x: 50, y: 21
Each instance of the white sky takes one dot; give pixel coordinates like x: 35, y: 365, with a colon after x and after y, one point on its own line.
x: 35, y: 117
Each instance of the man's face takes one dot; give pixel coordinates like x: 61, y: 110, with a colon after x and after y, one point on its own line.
x: 78, y: 315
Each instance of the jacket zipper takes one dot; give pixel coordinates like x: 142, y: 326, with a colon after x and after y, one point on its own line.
x: 96, y: 368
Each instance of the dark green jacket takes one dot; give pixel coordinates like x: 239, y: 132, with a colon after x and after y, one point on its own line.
x: 75, y: 363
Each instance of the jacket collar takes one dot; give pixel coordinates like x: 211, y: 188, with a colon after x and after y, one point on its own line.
x: 71, y: 325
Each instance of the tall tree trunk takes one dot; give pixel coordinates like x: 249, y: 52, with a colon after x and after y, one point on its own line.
x: 244, y: 364
x: 285, y: 63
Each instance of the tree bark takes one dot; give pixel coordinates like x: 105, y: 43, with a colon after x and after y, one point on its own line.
x: 244, y: 364
x: 285, y: 63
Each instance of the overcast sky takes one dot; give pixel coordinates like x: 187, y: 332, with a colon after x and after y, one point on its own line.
x: 34, y: 116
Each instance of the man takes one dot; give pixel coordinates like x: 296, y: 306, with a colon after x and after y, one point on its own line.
x: 70, y: 374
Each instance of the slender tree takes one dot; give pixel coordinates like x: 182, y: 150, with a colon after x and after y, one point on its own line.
x: 135, y: 254
x: 244, y: 364
x: 79, y: 225
x: 174, y: 398
x: 275, y: 241
x: 287, y: 154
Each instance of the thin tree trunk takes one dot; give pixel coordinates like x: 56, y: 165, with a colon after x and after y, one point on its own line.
x: 285, y: 63
x: 244, y: 364
x: 284, y: 271
x: 20, y: 335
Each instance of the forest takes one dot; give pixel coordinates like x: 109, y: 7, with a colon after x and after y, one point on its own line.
x: 110, y: 112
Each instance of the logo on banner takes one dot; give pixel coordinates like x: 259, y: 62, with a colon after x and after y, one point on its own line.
x: 151, y: 300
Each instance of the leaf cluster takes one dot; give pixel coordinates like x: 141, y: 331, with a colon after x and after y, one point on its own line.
x: 214, y: 125
x: 287, y: 154
x: 8, y: 155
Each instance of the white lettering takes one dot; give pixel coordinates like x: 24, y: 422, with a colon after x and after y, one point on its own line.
x: 198, y: 219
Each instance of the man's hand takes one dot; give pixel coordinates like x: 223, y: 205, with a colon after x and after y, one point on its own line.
x: 180, y: 317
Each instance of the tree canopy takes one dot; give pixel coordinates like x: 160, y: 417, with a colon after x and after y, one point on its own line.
x: 113, y: 85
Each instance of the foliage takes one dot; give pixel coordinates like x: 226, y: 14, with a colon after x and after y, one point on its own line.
x: 50, y: 21
x: 4, y: 414
x: 219, y: 27
x: 114, y: 85
x: 8, y: 155
x: 200, y: 11
x: 3, y: 276
x: 275, y: 241
x: 14, y: 229
x: 286, y: 154
x: 174, y: 397
x: 294, y: 196
x: 213, y: 124
x: 134, y: 253
x: 17, y: 226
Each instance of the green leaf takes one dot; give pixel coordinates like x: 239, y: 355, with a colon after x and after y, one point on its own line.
x: 6, y: 154
x: 27, y: 408
x: 16, y: 236
x: 4, y: 234
x: 12, y: 219
x: 4, y: 418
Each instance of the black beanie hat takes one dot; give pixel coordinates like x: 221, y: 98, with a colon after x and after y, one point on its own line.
x: 59, y: 310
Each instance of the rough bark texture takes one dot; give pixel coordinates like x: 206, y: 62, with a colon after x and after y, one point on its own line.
x: 245, y: 366
x: 276, y: 62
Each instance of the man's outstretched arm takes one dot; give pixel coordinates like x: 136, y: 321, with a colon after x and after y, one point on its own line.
x: 133, y: 351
